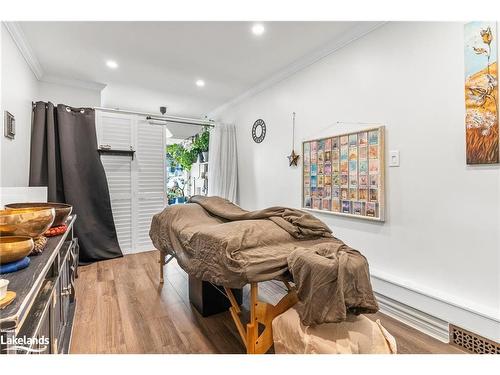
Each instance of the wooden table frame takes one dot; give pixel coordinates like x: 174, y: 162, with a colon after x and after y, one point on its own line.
x: 261, y: 313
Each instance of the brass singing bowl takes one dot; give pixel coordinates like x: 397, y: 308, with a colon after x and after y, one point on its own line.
x: 15, y: 248
x: 31, y: 222
x: 62, y: 210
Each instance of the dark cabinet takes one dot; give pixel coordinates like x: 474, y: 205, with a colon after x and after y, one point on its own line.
x: 40, y: 319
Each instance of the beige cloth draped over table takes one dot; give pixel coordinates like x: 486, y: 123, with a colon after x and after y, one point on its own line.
x: 217, y: 241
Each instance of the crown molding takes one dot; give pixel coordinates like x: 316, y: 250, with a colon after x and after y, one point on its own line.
x: 24, y: 47
x: 88, y: 85
x: 362, y: 29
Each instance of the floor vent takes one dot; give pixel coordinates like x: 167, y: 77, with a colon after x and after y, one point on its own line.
x: 472, y: 342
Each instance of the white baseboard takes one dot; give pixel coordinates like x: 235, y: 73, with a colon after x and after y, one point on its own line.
x: 430, y: 325
x: 431, y: 314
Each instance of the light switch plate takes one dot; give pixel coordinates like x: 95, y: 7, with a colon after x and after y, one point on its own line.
x: 394, y: 158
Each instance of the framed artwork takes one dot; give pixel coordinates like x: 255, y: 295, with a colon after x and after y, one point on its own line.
x: 344, y: 174
x: 9, y: 125
x: 481, y: 93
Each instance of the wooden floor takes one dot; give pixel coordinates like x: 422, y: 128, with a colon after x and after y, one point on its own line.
x: 122, y: 308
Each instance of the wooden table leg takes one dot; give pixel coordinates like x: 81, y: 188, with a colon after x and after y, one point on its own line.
x: 253, y: 325
x: 260, y: 313
x: 162, y: 264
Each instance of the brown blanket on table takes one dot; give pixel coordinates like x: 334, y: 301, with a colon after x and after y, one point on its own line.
x: 217, y: 241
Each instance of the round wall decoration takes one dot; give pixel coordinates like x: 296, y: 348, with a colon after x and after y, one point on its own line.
x: 259, y: 130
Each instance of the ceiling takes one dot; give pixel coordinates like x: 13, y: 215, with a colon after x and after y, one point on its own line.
x: 168, y: 57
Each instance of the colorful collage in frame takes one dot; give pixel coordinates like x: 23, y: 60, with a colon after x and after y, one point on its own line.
x: 344, y: 174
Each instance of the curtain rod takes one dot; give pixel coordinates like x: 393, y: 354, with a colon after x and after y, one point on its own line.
x: 181, y: 120
x: 151, y: 116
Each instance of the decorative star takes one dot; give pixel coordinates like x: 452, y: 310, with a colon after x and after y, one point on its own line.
x: 293, y: 158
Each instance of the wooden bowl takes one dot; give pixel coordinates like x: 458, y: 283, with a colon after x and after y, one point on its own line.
x: 62, y: 210
x: 31, y: 222
x: 15, y: 248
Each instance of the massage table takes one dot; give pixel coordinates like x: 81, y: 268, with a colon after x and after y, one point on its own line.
x: 216, y: 241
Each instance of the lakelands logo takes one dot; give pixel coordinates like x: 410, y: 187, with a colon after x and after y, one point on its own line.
x: 25, y: 343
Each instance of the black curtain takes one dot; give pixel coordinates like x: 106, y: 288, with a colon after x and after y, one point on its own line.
x: 64, y: 158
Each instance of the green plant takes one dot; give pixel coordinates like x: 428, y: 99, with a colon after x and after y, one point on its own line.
x: 200, y: 143
x: 175, y: 192
x: 184, y: 157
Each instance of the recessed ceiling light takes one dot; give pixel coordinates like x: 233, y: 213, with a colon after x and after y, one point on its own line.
x: 111, y: 64
x: 200, y: 83
x: 258, y: 29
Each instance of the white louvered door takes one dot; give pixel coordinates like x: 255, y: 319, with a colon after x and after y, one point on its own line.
x: 150, y: 172
x: 137, y: 187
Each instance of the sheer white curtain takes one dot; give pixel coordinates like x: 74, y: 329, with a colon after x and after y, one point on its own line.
x: 223, y: 164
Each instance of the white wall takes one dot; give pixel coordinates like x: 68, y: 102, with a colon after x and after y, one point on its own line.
x: 23, y: 194
x: 441, y: 236
x: 19, y: 88
x: 72, y: 96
